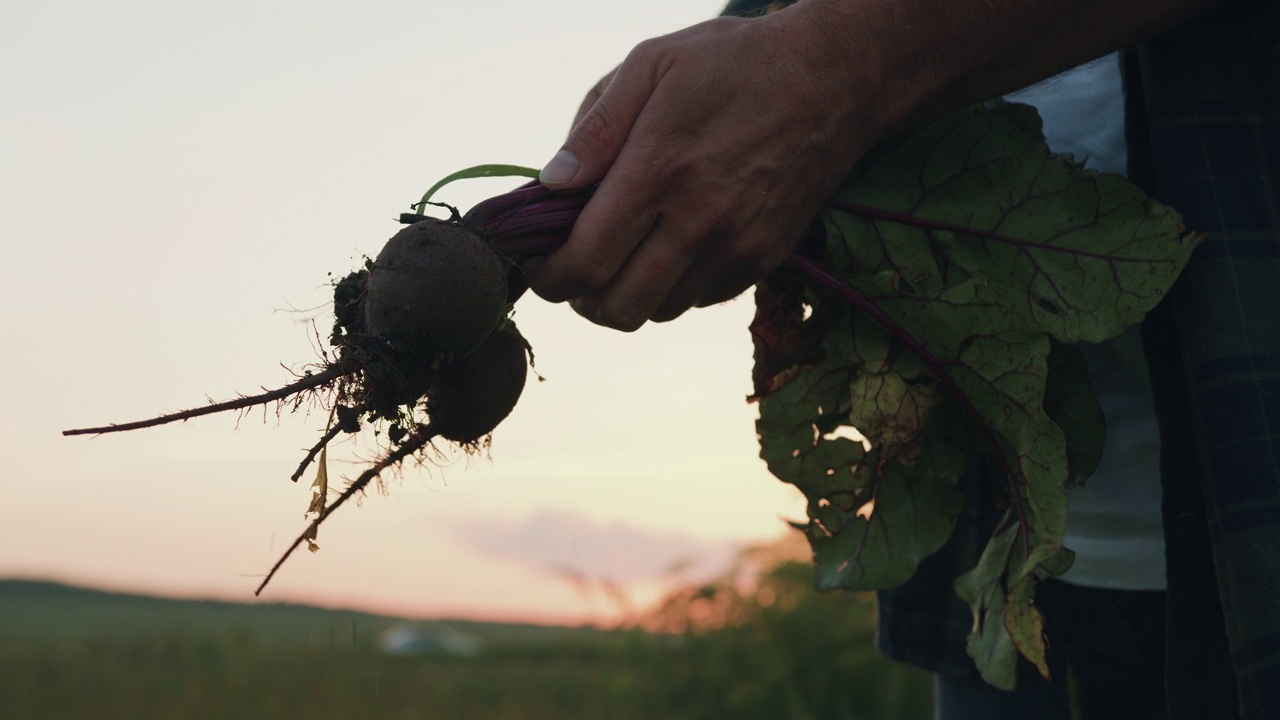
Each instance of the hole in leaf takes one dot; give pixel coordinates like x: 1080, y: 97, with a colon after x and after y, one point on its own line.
x: 1049, y: 307
x: 849, y: 432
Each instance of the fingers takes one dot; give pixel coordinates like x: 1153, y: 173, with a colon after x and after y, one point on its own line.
x: 598, y: 137
x: 635, y: 298
x: 715, y: 277
x: 589, y: 261
x: 678, y: 268
x: 629, y: 300
x: 699, y: 288
x: 592, y: 96
x: 624, y: 202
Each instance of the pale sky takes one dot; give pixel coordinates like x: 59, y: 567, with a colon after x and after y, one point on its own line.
x: 175, y: 176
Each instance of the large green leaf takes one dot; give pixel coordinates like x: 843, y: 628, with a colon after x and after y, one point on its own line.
x: 1076, y: 254
x: 960, y: 267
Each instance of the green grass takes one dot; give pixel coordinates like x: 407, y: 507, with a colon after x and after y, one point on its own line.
x: 73, y: 653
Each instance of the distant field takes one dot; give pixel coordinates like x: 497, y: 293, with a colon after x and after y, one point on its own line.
x: 55, y: 614
x: 74, y: 653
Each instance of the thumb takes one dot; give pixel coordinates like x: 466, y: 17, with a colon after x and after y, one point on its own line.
x: 598, y: 137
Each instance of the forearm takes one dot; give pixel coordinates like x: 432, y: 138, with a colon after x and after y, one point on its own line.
x: 920, y: 58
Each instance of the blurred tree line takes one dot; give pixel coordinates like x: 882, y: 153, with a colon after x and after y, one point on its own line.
x: 762, y: 642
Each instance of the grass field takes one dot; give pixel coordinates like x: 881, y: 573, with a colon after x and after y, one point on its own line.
x: 74, y: 653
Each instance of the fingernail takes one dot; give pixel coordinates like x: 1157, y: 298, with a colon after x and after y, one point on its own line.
x: 560, y: 170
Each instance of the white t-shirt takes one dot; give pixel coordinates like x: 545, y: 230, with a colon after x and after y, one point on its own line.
x: 1114, y: 523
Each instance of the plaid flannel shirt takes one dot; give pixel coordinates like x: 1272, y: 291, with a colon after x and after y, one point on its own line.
x: 1204, y: 121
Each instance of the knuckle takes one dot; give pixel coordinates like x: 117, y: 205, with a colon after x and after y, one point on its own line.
x: 567, y: 279
x: 624, y: 318
x: 586, y: 276
x: 597, y: 129
x: 722, y: 217
x: 603, y: 82
x: 646, y: 51
x: 546, y: 290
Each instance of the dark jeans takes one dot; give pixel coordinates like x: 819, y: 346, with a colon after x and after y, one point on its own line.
x: 1106, y: 657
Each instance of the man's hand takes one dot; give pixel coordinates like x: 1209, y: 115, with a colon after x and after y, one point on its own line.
x: 715, y: 147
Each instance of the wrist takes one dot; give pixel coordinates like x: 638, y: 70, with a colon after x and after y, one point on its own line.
x: 834, y: 67
x: 877, y: 79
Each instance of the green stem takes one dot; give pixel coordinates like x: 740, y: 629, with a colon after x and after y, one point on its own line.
x: 475, y: 172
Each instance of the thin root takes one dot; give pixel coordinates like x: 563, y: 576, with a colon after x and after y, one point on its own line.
x: 309, y: 382
x: 330, y: 434
x: 411, y: 445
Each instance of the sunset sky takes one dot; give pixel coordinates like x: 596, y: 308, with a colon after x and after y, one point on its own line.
x: 176, y: 181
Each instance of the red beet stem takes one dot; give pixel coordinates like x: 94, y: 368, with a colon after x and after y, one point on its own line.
x: 528, y: 221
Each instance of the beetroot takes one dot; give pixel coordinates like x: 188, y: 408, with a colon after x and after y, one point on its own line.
x: 422, y: 346
x: 475, y: 393
x: 435, y: 288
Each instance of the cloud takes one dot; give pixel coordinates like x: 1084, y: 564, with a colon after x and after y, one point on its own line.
x: 564, y: 542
